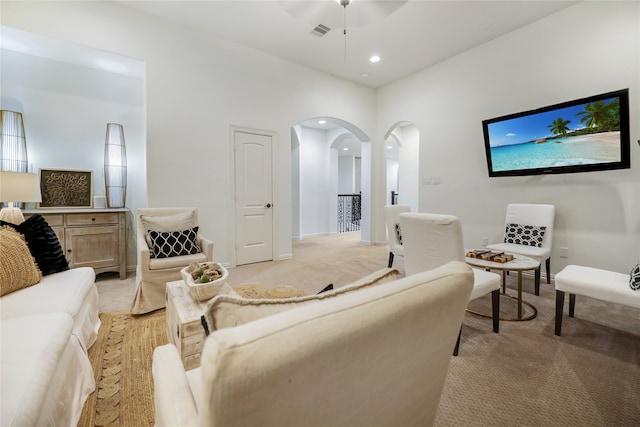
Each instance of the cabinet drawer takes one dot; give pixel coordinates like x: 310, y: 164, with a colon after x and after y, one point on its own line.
x: 54, y: 220
x: 92, y: 218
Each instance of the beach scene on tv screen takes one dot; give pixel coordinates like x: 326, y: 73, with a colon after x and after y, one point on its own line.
x: 581, y: 134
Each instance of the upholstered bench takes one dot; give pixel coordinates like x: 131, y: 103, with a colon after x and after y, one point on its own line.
x: 594, y: 283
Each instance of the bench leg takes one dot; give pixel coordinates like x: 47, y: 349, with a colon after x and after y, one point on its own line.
x: 537, y: 281
x: 390, y: 259
x: 495, y: 308
x: 548, y: 265
x: 559, y: 307
x: 572, y: 304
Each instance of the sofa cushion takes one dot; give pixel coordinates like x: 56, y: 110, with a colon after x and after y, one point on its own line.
x: 167, y: 244
x: 43, y: 244
x: 18, y: 269
x: 72, y: 291
x: 225, y: 311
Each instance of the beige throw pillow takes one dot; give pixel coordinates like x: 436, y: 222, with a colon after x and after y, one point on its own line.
x: 178, y: 222
x: 226, y: 311
x: 18, y: 269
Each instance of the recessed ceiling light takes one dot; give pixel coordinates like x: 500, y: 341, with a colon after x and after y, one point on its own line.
x: 364, y: 74
x: 374, y: 58
x: 389, y: 147
x: 346, y: 148
x: 322, y: 122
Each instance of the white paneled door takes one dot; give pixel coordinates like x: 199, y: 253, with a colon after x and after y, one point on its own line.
x: 254, y: 195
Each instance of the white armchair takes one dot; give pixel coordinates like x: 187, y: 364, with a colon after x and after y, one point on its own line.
x: 539, y: 216
x: 431, y: 240
x: 392, y: 217
x: 173, y: 234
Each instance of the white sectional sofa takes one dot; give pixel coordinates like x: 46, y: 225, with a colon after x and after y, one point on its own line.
x: 46, y: 330
x: 372, y: 356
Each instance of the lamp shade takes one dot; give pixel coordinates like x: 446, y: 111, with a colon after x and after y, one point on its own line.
x: 13, y: 144
x: 19, y: 187
x: 115, y: 166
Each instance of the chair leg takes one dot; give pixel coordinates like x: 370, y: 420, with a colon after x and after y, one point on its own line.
x: 572, y: 304
x: 559, y: 307
x: 537, y: 281
x: 390, y: 259
x: 457, y: 347
x: 495, y: 308
x: 548, y: 265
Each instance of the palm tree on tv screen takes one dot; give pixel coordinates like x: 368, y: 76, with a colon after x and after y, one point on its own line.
x: 599, y: 116
x: 559, y: 126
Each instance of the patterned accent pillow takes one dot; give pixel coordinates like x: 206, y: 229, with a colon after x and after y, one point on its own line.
x: 634, y: 281
x: 399, y: 233
x: 166, y: 244
x: 529, y: 235
x: 43, y: 244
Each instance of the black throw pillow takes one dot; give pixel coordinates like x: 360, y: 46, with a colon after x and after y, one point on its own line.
x: 174, y: 243
x: 329, y: 287
x: 43, y: 244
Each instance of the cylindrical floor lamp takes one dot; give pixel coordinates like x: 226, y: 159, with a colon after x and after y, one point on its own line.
x: 115, y: 166
x: 13, y: 144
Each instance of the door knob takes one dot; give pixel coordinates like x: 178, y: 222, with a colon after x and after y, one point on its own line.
x: 268, y: 205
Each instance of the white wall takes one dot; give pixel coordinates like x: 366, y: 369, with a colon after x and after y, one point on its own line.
x: 315, y: 182
x: 587, y: 49
x: 196, y: 87
x: 409, y: 176
x: 66, y: 108
x: 392, y: 178
x: 346, y: 174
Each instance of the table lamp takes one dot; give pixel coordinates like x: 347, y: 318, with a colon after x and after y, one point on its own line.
x: 17, y: 187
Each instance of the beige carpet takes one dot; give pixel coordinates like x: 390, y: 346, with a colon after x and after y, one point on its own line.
x: 522, y: 376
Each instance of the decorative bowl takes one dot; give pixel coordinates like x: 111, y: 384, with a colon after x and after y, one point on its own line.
x: 204, y: 279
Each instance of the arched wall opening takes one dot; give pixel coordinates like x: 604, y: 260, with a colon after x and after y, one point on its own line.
x: 329, y: 156
x: 403, y: 166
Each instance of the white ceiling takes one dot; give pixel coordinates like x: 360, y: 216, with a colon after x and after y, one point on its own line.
x: 408, y: 35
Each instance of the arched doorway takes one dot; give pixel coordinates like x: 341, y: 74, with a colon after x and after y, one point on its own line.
x: 326, y: 160
x: 402, y: 142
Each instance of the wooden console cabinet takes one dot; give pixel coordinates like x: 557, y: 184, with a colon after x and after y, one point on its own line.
x: 90, y: 237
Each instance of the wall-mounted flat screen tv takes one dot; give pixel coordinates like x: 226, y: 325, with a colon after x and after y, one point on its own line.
x: 588, y: 134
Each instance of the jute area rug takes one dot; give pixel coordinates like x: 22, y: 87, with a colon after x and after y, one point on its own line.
x: 121, y: 360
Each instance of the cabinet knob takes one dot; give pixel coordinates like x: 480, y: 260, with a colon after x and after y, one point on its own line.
x: 93, y: 219
x: 68, y: 250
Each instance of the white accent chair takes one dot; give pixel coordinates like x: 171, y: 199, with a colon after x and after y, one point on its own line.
x: 377, y: 356
x: 152, y: 274
x: 392, y: 217
x: 537, y: 215
x: 594, y: 283
x: 431, y: 240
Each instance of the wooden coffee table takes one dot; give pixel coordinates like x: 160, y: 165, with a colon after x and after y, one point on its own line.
x: 184, y: 327
x: 519, y: 263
